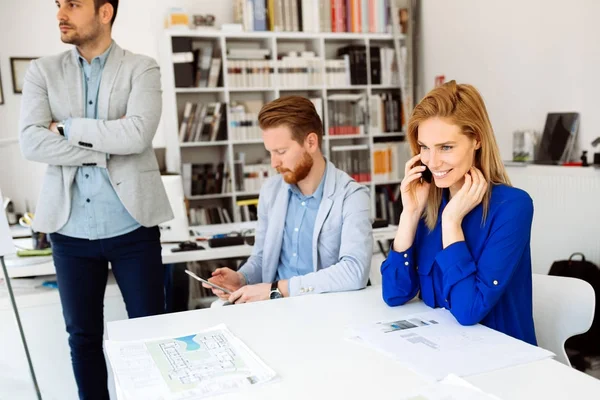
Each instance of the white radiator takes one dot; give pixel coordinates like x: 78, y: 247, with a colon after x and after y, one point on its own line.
x: 566, y: 218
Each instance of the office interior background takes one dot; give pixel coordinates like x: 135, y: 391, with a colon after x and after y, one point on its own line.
x: 527, y: 58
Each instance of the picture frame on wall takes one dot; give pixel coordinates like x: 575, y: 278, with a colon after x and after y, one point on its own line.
x: 1, y: 91
x: 19, y: 67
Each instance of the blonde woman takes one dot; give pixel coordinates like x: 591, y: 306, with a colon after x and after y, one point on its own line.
x: 463, y: 240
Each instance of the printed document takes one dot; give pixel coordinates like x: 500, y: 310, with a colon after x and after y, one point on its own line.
x: 190, y: 367
x: 434, y: 345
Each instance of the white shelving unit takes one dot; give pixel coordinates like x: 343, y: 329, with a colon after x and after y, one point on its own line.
x: 324, y: 45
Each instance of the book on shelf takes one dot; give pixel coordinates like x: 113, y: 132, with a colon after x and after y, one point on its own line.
x: 205, y: 179
x: 299, y: 70
x: 209, y: 215
x: 357, y: 16
x: 194, y: 62
x: 250, y: 177
x: 353, y: 160
x: 386, y: 113
x: 388, y: 161
x: 347, y: 114
x: 357, y: 57
x: 248, y: 209
x: 243, y: 121
x: 337, y: 72
x: 203, y: 122
x: 388, y: 203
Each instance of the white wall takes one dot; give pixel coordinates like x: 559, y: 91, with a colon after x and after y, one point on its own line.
x: 28, y: 28
x: 526, y: 57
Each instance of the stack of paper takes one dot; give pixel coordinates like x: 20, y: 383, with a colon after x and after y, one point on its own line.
x: 435, y: 345
x: 191, y: 367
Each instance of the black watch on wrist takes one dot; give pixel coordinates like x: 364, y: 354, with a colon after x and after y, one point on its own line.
x: 61, y: 128
x: 275, y: 292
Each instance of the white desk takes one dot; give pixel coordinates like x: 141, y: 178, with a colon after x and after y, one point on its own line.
x: 302, y: 339
x: 45, y: 266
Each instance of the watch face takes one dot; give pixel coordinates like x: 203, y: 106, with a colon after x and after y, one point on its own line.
x: 275, y: 294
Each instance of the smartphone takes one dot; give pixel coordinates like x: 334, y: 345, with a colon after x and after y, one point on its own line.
x: 193, y: 275
x: 426, y: 175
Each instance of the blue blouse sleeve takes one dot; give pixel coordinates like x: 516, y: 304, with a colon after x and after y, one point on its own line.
x: 399, y: 278
x: 473, y: 289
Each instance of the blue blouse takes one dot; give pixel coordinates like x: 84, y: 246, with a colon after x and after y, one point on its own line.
x: 485, y: 279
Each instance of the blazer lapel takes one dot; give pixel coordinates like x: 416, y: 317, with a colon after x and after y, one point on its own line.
x: 109, y: 74
x: 74, y: 82
x: 274, y: 240
x: 324, y: 209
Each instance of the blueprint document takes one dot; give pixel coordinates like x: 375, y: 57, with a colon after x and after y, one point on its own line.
x: 190, y: 367
x: 435, y: 345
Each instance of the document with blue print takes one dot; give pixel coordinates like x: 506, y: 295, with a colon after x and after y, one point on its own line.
x: 435, y: 345
x: 189, y: 367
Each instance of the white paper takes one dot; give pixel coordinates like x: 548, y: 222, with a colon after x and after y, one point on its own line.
x: 190, y: 367
x: 435, y: 345
x: 450, y: 388
x: 6, y: 243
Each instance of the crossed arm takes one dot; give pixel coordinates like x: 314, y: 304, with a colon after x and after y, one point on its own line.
x: 90, y: 140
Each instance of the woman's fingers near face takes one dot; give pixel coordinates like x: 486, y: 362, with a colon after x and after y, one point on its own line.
x: 407, y: 180
x: 410, y: 163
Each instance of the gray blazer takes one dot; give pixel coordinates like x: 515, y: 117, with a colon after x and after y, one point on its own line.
x: 130, y: 86
x: 342, y: 240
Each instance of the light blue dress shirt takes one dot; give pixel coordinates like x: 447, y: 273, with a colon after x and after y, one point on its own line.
x: 296, y: 248
x: 96, y: 210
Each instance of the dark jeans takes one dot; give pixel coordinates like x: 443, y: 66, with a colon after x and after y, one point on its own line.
x: 82, y: 271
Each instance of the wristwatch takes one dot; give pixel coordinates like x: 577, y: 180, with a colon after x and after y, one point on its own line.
x: 61, y: 128
x: 275, y: 292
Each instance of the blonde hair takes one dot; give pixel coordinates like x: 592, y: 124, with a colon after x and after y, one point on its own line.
x: 463, y: 106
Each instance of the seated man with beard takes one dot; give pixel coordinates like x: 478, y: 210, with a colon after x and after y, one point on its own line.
x: 314, y: 230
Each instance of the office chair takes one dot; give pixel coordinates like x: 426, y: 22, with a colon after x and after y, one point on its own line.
x: 562, y: 307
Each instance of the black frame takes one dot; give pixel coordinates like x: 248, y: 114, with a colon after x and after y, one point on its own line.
x: 17, y: 90
x: 1, y: 91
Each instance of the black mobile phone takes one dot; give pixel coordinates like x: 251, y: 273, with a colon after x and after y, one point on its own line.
x: 426, y: 175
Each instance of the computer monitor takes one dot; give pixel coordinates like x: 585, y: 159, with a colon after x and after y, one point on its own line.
x: 558, y: 138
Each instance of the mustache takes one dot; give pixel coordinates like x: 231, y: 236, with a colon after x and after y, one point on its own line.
x: 282, y: 170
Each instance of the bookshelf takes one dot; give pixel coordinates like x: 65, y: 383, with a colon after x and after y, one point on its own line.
x: 293, y: 63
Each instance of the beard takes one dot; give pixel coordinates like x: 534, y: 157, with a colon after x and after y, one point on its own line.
x: 301, y: 170
x: 77, y: 37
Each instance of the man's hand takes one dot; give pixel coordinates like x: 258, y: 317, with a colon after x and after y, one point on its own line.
x: 54, y: 128
x: 250, y: 293
x: 226, y: 278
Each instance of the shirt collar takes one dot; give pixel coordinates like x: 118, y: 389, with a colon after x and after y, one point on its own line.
x: 102, y: 57
x: 317, y: 195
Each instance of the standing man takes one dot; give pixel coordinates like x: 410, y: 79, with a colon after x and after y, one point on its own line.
x: 314, y: 231
x: 90, y: 114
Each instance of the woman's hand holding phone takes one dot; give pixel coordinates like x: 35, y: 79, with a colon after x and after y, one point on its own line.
x: 413, y: 189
